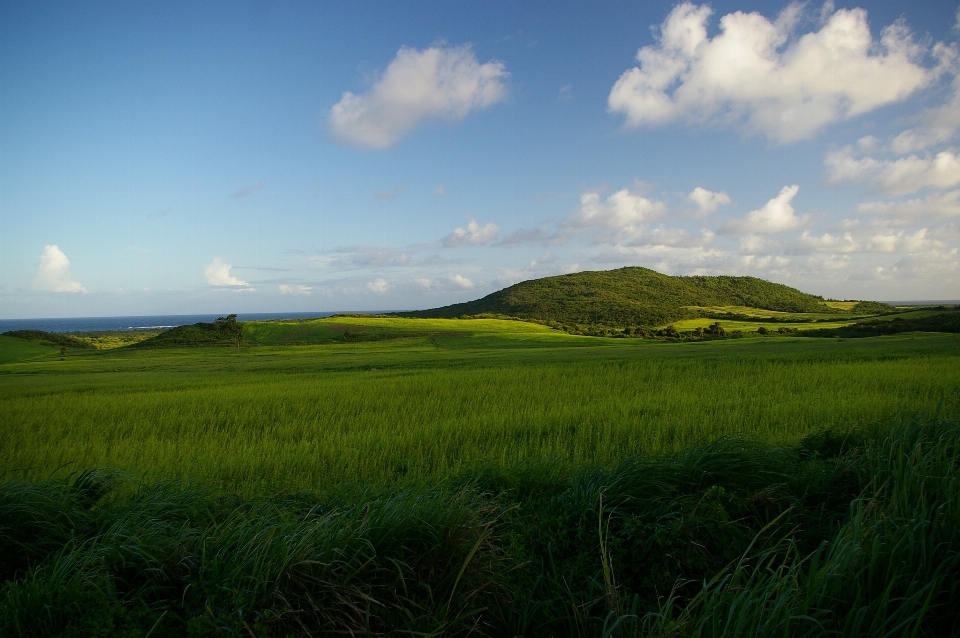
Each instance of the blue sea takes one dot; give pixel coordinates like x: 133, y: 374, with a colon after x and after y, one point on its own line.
x: 91, y: 324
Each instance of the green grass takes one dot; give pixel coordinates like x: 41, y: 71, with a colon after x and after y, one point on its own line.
x: 843, y: 535
x: 13, y: 350
x: 481, y: 477
x: 443, y: 396
x: 360, y: 328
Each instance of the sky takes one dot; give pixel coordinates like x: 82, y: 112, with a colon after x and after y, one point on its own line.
x: 213, y: 157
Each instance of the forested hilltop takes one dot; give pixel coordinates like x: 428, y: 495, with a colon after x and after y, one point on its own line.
x: 630, y: 296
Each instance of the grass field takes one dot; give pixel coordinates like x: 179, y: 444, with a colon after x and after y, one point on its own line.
x: 438, y: 397
x: 378, y: 476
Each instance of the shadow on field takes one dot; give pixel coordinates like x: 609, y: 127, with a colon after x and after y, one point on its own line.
x: 855, y: 535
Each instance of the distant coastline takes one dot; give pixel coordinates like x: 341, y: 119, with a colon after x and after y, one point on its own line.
x: 143, y: 322
x: 928, y: 302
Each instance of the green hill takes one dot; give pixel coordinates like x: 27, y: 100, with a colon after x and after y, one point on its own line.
x: 223, y: 331
x: 629, y: 296
x: 49, y: 338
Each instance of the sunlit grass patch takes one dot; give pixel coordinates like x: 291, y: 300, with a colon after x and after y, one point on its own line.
x: 311, y: 416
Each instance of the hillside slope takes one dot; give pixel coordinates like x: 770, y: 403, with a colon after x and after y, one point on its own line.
x: 628, y: 296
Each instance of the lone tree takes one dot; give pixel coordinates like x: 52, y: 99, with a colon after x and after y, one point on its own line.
x: 230, y: 329
x: 716, y: 330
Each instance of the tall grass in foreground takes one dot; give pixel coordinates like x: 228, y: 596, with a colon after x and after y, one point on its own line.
x: 847, y: 535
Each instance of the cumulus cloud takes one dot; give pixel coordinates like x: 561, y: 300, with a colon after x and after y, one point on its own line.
x: 937, y: 125
x: 828, y: 262
x: 936, y: 206
x: 436, y: 83
x: 753, y: 244
x: 777, y: 215
x: 474, y: 234
x: 883, y: 241
x: 756, y: 74
x: 218, y: 274
x: 462, y: 282
x: 378, y: 286
x: 294, y: 289
x: 897, y: 176
x: 53, y: 272
x: 708, y: 201
x: 676, y: 238
x: 444, y: 284
x: 933, y: 265
x: 828, y: 243
x: 900, y: 242
x: 620, y: 211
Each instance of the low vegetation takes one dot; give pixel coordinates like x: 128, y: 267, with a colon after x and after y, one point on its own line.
x: 852, y: 534
x: 948, y: 321
x: 49, y: 338
x: 99, y: 340
x: 225, y: 330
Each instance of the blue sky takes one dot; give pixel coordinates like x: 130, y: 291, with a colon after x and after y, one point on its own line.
x: 183, y: 157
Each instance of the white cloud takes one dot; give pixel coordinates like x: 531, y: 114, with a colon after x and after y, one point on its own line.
x: 621, y: 210
x: 901, y: 242
x: 937, y: 125
x: 294, y: 289
x: 828, y: 262
x: 897, y: 177
x: 462, y: 282
x: 753, y: 244
x: 438, y: 82
x: 884, y: 241
x: 935, y: 265
x: 754, y: 73
x: 445, y: 284
x: 440, y: 191
x: 828, y: 243
x: 936, y: 206
x: 777, y: 215
x: 426, y: 284
x: 678, y: 237
x: 53, y: 272
x: 218, y: 274
x: 945, y: 234
x: 378, y: 286
x: 474, y: 234
x: 708, y: 201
